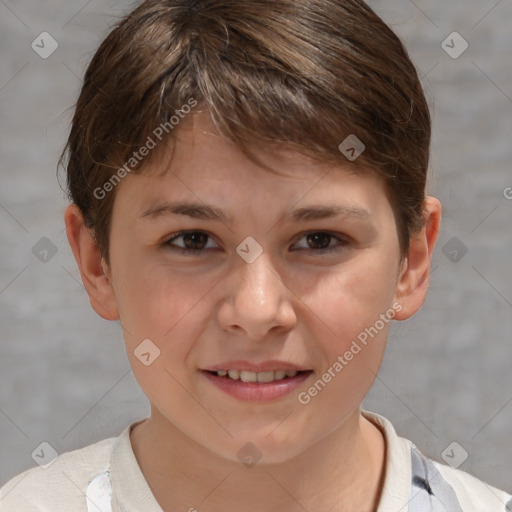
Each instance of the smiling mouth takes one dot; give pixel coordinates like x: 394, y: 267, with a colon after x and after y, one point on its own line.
x: 259, y: 377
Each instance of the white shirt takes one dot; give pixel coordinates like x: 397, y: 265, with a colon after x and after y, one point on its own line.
x: 105, y: 477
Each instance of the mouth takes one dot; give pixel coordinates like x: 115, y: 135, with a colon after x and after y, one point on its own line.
x: 263, y: 385
x: 259, y: 377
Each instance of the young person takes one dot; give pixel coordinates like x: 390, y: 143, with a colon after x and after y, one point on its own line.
x: 247, y: 181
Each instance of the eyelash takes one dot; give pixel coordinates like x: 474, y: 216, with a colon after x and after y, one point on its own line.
x: 343, y: 242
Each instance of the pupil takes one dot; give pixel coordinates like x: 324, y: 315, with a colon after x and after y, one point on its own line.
x: 323, y: 237
x: 195, y: 238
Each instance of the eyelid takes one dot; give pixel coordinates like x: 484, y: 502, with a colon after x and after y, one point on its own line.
x: 343, y: 240
x: 167, y: 241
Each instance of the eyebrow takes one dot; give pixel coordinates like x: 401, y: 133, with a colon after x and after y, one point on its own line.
x: 205, y: 212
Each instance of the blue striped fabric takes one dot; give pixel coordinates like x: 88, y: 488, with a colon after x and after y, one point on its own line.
x: 430, y: 492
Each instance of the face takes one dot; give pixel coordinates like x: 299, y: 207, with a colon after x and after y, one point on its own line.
x: 258, y: 279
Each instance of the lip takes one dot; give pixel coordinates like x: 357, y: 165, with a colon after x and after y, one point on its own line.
x: 270, y: 365
x: 257, y: 391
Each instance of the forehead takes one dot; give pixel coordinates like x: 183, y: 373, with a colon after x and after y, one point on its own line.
x: 198, y: 146
x: 198, y: 165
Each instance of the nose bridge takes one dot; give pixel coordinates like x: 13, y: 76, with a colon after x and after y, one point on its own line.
x: 257, y: 299
x: 258, y: 283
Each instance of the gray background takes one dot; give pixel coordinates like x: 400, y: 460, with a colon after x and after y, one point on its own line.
x: 446, y: 377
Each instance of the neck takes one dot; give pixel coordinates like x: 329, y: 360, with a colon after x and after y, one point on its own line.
x: 343, y: 471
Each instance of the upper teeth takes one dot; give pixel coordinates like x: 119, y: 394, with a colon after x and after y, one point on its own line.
x: 246, y: 376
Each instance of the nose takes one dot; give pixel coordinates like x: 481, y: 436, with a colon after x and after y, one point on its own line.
x: 257, y: 301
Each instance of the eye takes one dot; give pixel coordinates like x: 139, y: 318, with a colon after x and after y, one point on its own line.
x: 322, y: 240
x: 194, y: 242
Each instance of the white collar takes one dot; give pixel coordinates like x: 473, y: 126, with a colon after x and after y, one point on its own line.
x: 421, y: 479
x: 99, y: 493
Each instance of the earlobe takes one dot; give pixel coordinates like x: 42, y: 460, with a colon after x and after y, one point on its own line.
x: 94, y: 273
x: 414, y: 278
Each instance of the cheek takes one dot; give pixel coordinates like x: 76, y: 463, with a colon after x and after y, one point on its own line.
x: 160, y: 305
x: 352, y: 300
x: 158, y: 300
x: 170, y: 309
x: 357, y: 309
x: 353, y: 309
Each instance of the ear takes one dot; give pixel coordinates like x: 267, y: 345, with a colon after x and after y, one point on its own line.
x: 92, y: 267
x: 414, y: 276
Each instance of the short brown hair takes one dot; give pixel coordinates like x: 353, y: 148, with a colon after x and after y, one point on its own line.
x: 307, y: 73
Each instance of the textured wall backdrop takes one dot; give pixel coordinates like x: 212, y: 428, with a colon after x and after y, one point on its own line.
x: 446, y: 377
